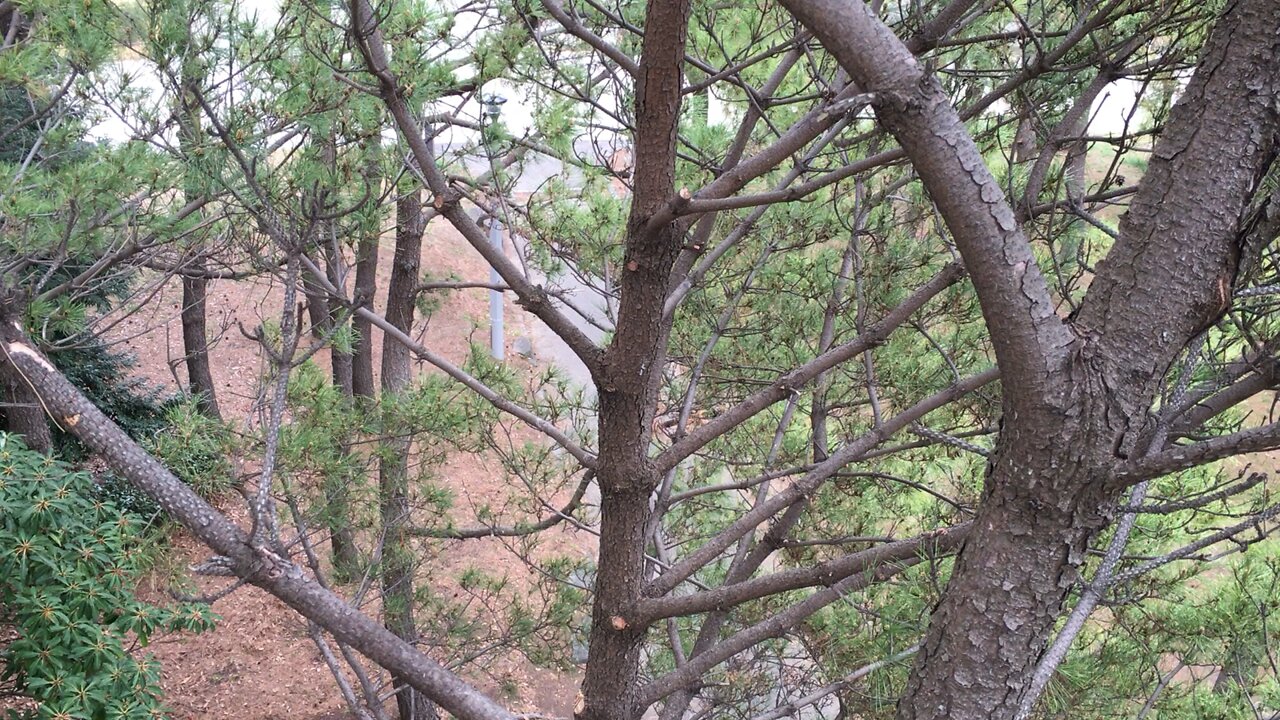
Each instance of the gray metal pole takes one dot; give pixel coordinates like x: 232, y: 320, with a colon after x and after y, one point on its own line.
x: 492, y: 110
x: 495, y: 296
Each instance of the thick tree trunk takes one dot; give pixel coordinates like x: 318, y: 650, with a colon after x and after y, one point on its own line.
x: 1009, y: 583
x: 393, y: 481
x: 632, y: 366
x: 1168, y: 278
x: 1076, y: 399
x: 23, y: 412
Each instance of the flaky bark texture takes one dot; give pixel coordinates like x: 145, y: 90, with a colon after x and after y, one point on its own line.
x: 631, y: 369
x: 23, y: 412
x: 1076, y: 398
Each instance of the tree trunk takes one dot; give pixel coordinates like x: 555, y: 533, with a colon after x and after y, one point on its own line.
x: 317, y: 304
x: 366, y: 286
x: 195, y: 336
x: 393, y: 481
x: 341, y: 361
x: 23, y: 413
x: 254, y: 562
x: 1168, y: 278
x: 346, y: 557
x: 362, y: 382
x: 1077, y: 397
x: 195, y: 343
x: 632, y: 367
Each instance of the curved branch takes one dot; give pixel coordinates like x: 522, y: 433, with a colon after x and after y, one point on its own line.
x: 1030, y: 340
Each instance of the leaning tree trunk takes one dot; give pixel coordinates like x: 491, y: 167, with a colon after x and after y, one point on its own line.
x: 393, y: 481
x: 24, y: 413
x: 252, y: 561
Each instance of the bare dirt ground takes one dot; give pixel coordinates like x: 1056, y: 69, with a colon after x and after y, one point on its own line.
x: 259, y: 662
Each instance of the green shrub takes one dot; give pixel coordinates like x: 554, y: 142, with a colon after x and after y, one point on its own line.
x: 68, y: 566
x: 193, y: 446
x: 196, y: 448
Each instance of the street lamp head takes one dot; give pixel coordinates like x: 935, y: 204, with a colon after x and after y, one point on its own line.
x: 493, y: 106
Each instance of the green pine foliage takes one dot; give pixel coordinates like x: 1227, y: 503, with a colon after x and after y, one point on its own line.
x: 68, y: 567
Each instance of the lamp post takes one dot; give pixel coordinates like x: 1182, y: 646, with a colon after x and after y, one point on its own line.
x: 492, y: 110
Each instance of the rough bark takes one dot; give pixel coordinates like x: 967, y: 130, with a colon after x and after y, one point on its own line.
x: 1076, y: 399
x: 630, y: 371
x: 23, y: 413
x: 393, y: 471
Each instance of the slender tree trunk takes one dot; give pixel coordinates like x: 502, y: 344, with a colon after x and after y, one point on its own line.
x: 341, y: 361
x: 195, y: 343
x: 362, y: 382
x: 366, y: 286
x: 1025, y: 141
x: 195, y: 336
x: 346, y: 559
x: 393, y: 482
x: 317, y: 303
x: 1073, y: 170
x: 358, y: 368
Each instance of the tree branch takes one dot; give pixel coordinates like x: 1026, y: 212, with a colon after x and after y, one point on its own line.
x: 1030, y: 341
x: 940, y: 543
x: 791, y: 381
